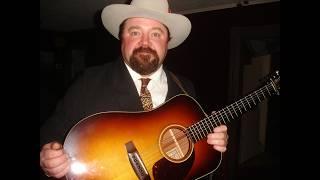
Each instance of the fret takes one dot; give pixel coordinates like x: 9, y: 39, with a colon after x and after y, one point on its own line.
x: 214, y: 119
x: 187, y: 132
x: 253, y: 99
x: 230, y: 112
x: 193, y: 135
x: 226, y: 114
x: 212, y: 126
x: 274, y: 88
x: 198, y: 130
x: 218, y: 119
x: 207, y: 125
x: 205, y: 128
x: 234, y: 110
x: 202, y: 128
x: 243, y: 105
x: 257, y: 95
x: 195, y: 131
x: 268, y: 91
x: 263, y: 94
x: 248, y: 101
x: 239, y: 107
x: 222, y: 117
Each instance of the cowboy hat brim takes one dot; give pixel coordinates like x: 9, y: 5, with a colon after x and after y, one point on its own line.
x: 178, y: 25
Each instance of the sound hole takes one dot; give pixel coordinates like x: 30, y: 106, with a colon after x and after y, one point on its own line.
x: 174, y: 144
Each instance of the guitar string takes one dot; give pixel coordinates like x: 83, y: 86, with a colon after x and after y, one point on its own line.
x: 149, y: 166
x: 180, y: 135
x: 150, y: 155
x: 206, y: 125
x: 212, y: 117
x: 183, y: 134
x: 203, y: 123
x: 150, y: 158
x: 225, y: 114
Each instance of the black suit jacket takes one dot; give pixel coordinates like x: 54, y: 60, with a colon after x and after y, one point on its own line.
x: 100, y: 89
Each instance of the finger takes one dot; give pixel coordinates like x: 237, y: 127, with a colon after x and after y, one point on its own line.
x: 47, y: 146
x: 52, y: 145
x: 218, y: 142
x: 55, y: 162
x: 63, y: 173
x: 217, y: 135
x: 56, y: 146
x: 47, y: 150
x: 221, y: 128
x: 220, y: 148
x: 50, y: 154
x: 58, y: 171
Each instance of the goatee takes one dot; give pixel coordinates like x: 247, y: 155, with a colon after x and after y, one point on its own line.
x: 144, y: 60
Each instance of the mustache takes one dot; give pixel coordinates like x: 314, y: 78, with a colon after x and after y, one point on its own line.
x: 144, y: 50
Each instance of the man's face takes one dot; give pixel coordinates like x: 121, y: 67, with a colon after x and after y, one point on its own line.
x: 144, y: 44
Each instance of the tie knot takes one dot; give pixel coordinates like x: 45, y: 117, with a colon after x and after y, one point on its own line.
x: 145, y: 95
x: 145, y: 82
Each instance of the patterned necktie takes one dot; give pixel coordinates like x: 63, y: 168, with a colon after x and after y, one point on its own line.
x: 145, y: 95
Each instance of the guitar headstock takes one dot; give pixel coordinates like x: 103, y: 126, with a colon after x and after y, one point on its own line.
x: 274, y: 80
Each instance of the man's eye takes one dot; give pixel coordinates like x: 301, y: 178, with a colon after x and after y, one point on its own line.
x: 134, y: 33
x: 156, y: 34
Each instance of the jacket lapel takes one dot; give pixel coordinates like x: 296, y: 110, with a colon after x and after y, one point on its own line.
x: 173, y: 88
x: 124, y: 88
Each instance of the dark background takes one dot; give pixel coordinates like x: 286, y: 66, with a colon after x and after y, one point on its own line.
x: 221, y: 43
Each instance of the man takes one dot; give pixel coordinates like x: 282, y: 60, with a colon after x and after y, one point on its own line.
x: 146, y: 31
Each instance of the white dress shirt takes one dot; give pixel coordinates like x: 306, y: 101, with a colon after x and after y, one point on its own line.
x: 157, y: 86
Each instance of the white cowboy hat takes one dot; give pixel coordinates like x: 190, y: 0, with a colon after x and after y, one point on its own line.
x: 178, y: 25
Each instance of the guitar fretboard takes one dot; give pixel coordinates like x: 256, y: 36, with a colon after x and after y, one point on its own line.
x: 202, y: 128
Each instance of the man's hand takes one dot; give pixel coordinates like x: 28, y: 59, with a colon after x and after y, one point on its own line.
x: 219, y: 138
x: 54, y: 160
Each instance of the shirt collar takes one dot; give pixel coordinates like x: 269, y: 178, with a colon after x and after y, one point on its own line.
x: 155, y: 77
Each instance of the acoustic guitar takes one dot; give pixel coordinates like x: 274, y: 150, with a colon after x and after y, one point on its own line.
x: 168, y: 142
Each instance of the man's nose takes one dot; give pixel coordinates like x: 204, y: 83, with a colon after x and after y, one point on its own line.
x: 145, y: 41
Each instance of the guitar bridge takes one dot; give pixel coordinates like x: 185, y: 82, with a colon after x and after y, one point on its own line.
x: 136, y: 162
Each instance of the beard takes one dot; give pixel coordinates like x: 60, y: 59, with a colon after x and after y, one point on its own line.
x: 144, y: 60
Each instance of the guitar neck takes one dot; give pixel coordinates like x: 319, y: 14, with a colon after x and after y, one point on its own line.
x: 202, y: 128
